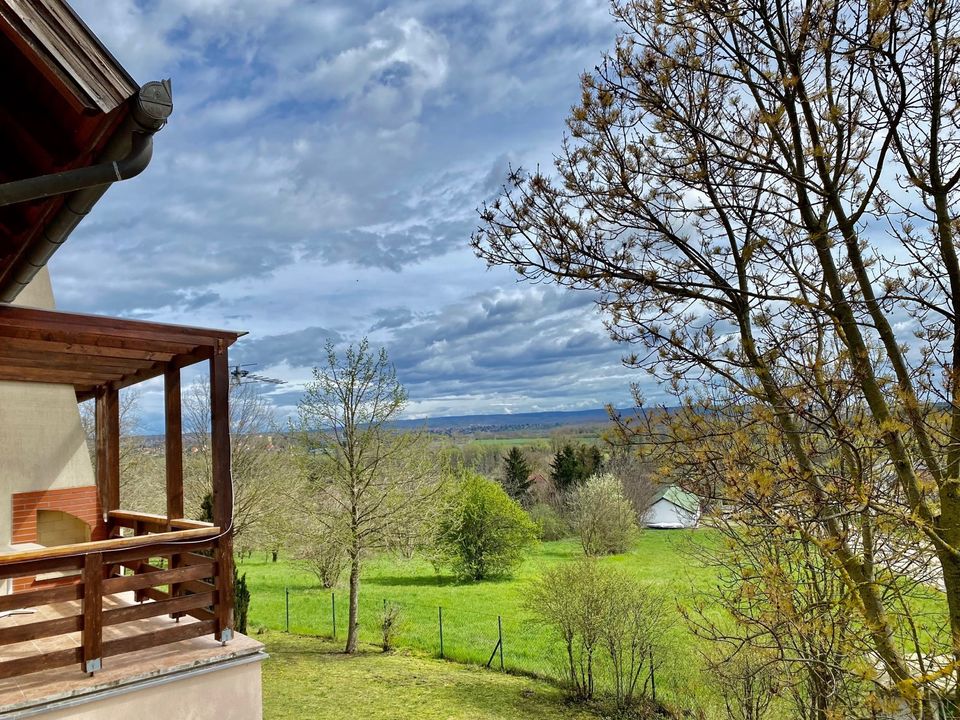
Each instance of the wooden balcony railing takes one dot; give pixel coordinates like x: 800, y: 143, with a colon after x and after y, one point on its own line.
x: 187, y: 579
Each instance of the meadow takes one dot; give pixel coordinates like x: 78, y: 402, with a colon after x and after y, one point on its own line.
x: 307, y: 677
x: 475, y: 615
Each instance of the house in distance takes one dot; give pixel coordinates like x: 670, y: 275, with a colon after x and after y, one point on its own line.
x: 673, y: 508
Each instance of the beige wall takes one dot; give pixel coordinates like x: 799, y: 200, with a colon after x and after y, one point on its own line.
x: 230, y: 694
x: 42, y: 444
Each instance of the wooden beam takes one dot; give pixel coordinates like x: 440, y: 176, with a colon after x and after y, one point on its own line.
x: 222, y: 488
x: 92, y: 634
x: 112, y: 458
x: 220, y: 439
x: 173, y: 449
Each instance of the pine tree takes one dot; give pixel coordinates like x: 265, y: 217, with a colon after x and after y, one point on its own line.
x: 590, y: 462
x: 565, y: 470
x: 516, y: 474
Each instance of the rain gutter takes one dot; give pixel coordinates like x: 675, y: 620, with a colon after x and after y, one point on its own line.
x: 126, y: 155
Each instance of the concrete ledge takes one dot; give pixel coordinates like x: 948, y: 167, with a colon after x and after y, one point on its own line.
x: 225, y: 690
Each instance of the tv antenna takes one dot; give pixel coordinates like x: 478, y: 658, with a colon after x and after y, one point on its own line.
x: 240, y: 376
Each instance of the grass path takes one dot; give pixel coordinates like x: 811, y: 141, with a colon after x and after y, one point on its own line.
x: 306, y: 678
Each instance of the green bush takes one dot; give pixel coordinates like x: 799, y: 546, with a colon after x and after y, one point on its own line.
x: 481, y: 532
x: 603, y: 517
x: 611, y: 625
x: 241, y: 601
x: 551, y: 523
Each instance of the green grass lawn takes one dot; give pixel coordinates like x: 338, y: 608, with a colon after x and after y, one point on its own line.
x: 306, y: 678
x: 471, y: 610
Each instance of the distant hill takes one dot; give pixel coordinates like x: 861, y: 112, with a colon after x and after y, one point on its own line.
x: 508, y: 421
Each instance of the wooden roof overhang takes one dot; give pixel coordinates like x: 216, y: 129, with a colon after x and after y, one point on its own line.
x: 66, y: 104
x: 91, y: 351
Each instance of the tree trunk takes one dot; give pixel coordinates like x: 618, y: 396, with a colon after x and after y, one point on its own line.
x: 352, y: 625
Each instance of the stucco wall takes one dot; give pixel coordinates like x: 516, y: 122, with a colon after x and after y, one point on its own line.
x: 230, y: 694
x: 42, y: 444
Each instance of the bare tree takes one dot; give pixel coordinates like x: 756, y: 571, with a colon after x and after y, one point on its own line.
x: 141, y: 470
x: 366, y: 479
x: 760, y: 196
x: 638, y: 477
x: 260, y: 469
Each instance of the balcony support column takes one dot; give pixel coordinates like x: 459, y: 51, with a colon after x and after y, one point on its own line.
x: 107, y: 420
x: 222, y: 488
x: 173, y: 451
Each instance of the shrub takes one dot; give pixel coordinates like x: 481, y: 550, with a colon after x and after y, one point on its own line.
x: 610, y: 623
x: 325, y: 559
x: 602, y: 516
x: 551, y: 523
x: 241, y: 601
x: 390, y: 618
x: 748, y: 681
x: 481, y: 532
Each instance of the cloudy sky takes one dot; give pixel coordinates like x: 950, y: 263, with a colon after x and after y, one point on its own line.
x: 320, y: 177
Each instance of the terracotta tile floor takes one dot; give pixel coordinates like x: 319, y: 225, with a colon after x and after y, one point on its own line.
x: 70, y: 681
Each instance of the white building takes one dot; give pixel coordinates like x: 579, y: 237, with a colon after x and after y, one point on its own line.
x: 673, y: 508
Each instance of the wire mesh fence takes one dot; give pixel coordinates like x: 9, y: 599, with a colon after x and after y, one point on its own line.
x: 510, y: 643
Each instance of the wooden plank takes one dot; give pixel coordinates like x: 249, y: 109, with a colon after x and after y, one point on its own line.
x: 92, y: 635
x: 61, y: 338
x: 125, y: 583
x: 124, y: 557
x: 173, y: 443
x: 194, y: 559
x: 78, y: 350
x: 167, y: 606
x: 198, y: 586
x: 182, y: 631
x: 127, y: 517
x: 103, y: 324
x: 55, y: 377
x: 70, y: 48
x: 65, y: 361
x: 46, y: 596
x: 23, y: 568
x: 142, y: 543
x: 46, y: 628
x: 44, y: 661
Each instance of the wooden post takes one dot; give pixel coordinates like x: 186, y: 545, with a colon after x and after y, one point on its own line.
x: 100, y: 418
x: 222, y: 488
x: 173, y: 453
x: 108, y: 448
x: 92, y: 635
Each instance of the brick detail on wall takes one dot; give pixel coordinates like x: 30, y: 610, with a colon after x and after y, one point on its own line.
x: 81, y: 502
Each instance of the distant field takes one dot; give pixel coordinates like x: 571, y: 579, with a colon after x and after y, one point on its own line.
x: 506, y: 442
x: 470, y: 610
x: 307, y: 677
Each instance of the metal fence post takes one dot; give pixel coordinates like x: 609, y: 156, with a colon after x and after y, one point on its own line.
x: 333, y: 607
x: 287, y: 592
x: 500, y: 635
x: 440, y: 615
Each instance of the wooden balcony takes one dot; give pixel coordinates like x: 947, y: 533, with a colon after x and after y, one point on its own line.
x: 150, y: 566
x: 177, y: 573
